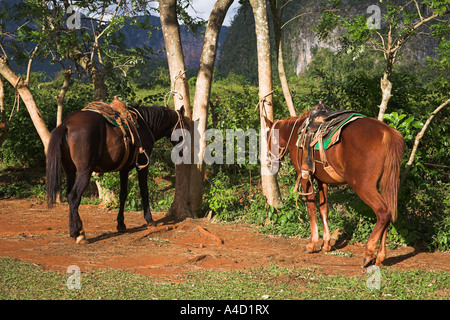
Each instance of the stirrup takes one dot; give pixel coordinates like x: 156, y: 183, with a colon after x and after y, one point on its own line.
x: 140, y: 167
x: 298, y: 183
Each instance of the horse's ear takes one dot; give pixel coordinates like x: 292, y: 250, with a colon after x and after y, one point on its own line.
x: 268, y: 122
x: 181, y: 111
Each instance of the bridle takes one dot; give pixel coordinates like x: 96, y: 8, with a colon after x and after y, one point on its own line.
x: 281, y: 150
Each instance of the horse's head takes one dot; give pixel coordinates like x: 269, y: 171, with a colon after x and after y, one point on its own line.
x: 279, y: 136
x: 276, y: 145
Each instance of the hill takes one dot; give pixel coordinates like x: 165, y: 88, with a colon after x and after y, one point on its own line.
x: 300, y: 42
x: 134, y: 37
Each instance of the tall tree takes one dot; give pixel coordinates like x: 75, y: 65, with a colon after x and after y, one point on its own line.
x: 202, y: 97
x: 277, y: 8
x: 270, y: 186
x: 21, y: 87
x: 181, y: 206
x: 189, y: 176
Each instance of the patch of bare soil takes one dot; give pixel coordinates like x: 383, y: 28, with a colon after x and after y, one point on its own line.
x: 32, y: 233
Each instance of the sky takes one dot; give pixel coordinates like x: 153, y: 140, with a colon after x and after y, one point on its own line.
x: 202, y: 9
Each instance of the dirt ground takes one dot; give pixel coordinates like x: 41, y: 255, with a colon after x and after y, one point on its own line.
x: 32, y: 233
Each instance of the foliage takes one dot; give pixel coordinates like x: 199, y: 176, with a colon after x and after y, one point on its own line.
x: 220, y: 197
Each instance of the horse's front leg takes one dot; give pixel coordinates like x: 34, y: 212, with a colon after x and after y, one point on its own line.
x: 314, y: 244
x: 323, y: 208
x: 121, y: 227
x: 143, y: 188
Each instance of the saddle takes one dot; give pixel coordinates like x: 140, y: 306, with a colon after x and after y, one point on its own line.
x: 319, y: 132
x: 119, y: 115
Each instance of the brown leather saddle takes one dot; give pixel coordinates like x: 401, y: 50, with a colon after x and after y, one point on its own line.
x: 319, y: 132
x: 119, y: 115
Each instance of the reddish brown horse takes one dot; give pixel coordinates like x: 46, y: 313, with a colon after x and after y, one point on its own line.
x: 368, y: 152
x: 86, y: 142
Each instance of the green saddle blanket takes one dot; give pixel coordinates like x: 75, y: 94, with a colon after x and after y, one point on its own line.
x: 332, y: 129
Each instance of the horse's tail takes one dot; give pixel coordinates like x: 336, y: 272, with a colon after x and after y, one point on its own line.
x: 54, y: 164
x: 390, y: 179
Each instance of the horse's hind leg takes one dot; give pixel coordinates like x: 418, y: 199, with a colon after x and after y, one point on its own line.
x: 74, y: 197
x: 71, y: 173
x: 374, y: 200
x: 381, y: 255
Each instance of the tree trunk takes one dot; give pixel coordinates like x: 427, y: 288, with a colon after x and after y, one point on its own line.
x: 181, y: 206
x: 98, y: 79
x: 386, y: 88
x: 4, y: 122
x: 202, y: 96
x: 269, y: 181
x: 280, y: 61
x: 385, y: 82
x: 418, y: 138
x: 27, y: 97
x: 100, y: 88
x: 62, y: 93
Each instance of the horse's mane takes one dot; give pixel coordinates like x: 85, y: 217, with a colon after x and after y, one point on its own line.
x: 302, y: 116
x: 155, y: 116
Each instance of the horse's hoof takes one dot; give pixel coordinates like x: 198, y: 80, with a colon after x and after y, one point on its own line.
x: 121, y: 228
x: 368, y: 261
x: 151, y: 224
x: 313, y: 247
x: 379, y: 261
x: 81, y: 239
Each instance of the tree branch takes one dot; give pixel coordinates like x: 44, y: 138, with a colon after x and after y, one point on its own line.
x: 419, y: 137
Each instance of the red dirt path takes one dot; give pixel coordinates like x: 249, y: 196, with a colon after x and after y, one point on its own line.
x: 32, y: 233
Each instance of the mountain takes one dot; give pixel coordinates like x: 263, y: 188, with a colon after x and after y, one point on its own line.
x: 300, y: 42
x: 192, y: 43
x: 134, y: 37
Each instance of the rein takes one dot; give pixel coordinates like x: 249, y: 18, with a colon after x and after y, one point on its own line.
x: 283, y: 153
x: 179, y: 121
x: 283, y: 149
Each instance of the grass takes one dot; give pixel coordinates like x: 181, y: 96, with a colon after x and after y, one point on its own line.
x: 19, y: 280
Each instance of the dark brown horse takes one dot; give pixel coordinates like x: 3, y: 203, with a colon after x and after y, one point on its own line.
x: 368, y: 152
x: 86, y: 142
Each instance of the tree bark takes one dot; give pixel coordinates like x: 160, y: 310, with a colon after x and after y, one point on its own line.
x: 4, y: 122
x: 62, y: 93
x: 280, y: 60
x: 418, y: 138
x: 24, y: 92
x: 269, y: 181
x: 98, y: 78
x: 181, y: 206
x: 386, y: 88
x: 201, y: 99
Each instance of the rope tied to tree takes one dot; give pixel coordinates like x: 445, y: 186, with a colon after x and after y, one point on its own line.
x: 172, y: 91
x: 261, y: 102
